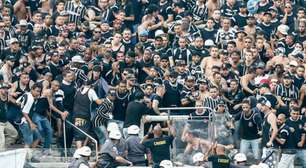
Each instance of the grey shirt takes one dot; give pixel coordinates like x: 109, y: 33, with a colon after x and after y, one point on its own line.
x: 136, y: 150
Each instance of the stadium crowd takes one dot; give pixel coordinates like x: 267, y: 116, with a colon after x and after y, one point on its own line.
x: 104, y: 64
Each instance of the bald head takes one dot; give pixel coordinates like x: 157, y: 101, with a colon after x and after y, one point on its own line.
x: 281, y: 119
x: 157, y: 130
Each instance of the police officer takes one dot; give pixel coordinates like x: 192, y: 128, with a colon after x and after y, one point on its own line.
x: 81, y: 158
x: 110, y: 157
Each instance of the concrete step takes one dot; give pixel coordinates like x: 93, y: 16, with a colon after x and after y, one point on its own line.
x: 51, y: 165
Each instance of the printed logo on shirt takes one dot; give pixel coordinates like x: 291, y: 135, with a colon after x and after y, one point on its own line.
x: 159, y: 143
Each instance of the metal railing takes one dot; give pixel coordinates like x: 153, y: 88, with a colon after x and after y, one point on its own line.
x: 152, y: 118
x: 83, y: 132
x: 149, y: 118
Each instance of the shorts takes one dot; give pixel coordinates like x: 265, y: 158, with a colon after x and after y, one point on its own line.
x: 84, y: 125
x: 28, y: 135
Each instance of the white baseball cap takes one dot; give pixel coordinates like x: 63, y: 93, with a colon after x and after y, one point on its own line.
x: 240, y: 157
x: 133, y: 130
x: 283, y: 29
x: 115, y: 134
x: 77, y: 59
x: 198, y: 157
x: 166, y: 164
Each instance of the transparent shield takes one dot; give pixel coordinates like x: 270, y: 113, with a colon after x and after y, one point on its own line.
x: 192, y: 136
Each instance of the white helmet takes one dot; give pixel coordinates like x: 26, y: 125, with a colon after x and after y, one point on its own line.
x: 166, y: 164
x: 112, y: 126
x: 198, y: 157
x: 84, y: 151
x: 133, y: 130
x: 115, y: 134
x: 240, y: 157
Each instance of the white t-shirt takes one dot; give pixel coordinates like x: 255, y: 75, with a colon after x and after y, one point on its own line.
x: 92, y: 95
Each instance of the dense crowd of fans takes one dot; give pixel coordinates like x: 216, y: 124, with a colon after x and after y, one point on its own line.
x: 104, y: 64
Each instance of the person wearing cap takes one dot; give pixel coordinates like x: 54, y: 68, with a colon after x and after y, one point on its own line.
x: 269, y: 126
x: 103, y: 115
x: 136, y: 151
x: 110, y: 156
x: 266, y: 27
x: 82, y: 158
x: 187, y: 98
x: 14, y: 49
x: 8, y: 134
x: 173, y: 89
x: 249, y: 126
x: 6, y: 69
x: 25, y: 35
x: 76, y: 66
x: 241, y: 17
x: 286, y: 87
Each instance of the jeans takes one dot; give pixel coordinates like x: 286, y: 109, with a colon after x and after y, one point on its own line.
x: 29, y: 135
x: 44, y: 128
x: 255, y: 145
x: 8, y: 134
x: 301, y: 153
x: 101, y: 133
x: 286, y: 161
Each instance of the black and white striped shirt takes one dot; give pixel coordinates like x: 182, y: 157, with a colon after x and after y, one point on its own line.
x: 287, y: 94
x: 211, y: 103
x: 199, y: 12
x: 223, y: 37
x: 104, y: 112
x: 76, y: 11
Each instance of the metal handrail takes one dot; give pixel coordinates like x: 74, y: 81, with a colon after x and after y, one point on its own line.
x: 168, y: 117
x: 83, y: 132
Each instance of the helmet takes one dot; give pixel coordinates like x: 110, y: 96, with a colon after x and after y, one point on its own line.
x: 84, y: 151
x: 133, y: 130
x: 115, y: 134
x: 240, y: 157
x: 112, y: 126
x: 166, y: 164
x: 198, y: 157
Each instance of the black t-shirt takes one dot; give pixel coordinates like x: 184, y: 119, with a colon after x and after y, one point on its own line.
x: 296, y: 131
x: 219, y: 161
x: 135, y: 110
x: 3, y: 109
x: 159, y: 148
x: 42, y: 106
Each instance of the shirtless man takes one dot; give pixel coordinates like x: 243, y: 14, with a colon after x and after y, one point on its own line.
x: 213, y: 60
x: 21, y: 10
